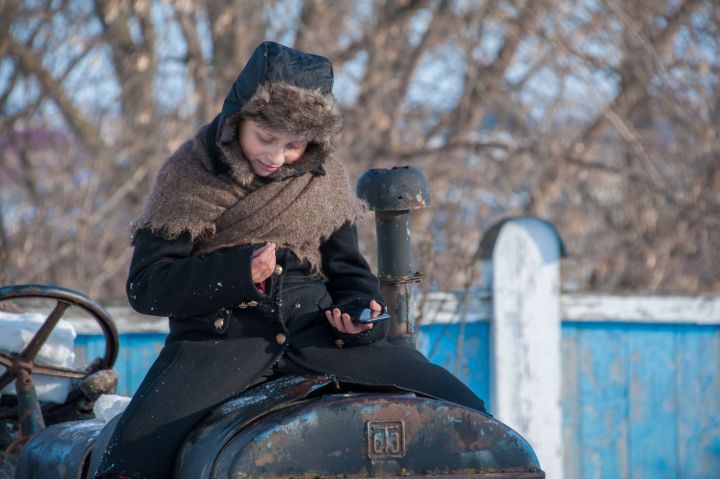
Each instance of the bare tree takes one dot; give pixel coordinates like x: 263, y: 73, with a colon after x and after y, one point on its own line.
x: 599, y: 116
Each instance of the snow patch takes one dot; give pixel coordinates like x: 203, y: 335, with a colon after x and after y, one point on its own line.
x: 107, y: 406
x: 18, y: 330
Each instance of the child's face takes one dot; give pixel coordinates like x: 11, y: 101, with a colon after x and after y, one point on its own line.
x: 268, y: 150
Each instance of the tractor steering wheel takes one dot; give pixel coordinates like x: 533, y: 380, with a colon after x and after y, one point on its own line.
x: 23, y: 363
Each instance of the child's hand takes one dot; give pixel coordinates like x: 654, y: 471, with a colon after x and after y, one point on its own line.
x: 263, y: 263
x: 342, y: 322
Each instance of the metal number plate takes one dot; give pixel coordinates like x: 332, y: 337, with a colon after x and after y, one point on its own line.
x: 385, y: 439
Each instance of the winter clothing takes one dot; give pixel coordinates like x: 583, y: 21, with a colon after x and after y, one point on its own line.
x: 311, y: 111
x: 212, y: 298
x: 192, y: 262
x: 299, y: 212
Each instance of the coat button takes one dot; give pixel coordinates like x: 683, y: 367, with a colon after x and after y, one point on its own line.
x: 280, y: 338
x: 278, y: 270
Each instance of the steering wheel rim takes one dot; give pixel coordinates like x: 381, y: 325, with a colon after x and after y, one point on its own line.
x: 64, y: 298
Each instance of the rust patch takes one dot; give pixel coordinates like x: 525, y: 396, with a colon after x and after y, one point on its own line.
x: 264, y: 460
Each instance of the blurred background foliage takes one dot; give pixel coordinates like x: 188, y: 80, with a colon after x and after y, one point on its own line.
x: 599, y: 115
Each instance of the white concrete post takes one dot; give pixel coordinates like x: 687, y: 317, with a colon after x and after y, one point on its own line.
x: 525, y: 335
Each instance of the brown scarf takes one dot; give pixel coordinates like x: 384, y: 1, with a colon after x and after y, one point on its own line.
x: 294, y: 210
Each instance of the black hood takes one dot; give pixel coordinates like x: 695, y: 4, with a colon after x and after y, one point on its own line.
x: 276, y: 66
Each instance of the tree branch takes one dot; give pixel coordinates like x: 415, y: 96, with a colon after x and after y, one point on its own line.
x: 449, y: 147
x: 634, y: 87
x: 187, y: 18
x: 31, y: 63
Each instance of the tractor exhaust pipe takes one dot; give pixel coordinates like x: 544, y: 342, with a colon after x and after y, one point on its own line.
x: 393, y: 193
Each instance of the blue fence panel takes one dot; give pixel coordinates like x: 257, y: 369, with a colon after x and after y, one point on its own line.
x: 603, y: 387
x: 572, y: 410
x: 641, y: 401
x: 653, y: 401
x: 440, y: 343
x: 136, y: 355
x: 698, y: 415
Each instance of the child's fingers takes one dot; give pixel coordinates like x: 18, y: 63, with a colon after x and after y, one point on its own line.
x: 343, y: 323
x: 332, y: 318
x: 353, y: 328
x: 268, y: 256
x: 263, y: 264
x: 347, y: 324
x: 264, y: 250
x: 338, y: 321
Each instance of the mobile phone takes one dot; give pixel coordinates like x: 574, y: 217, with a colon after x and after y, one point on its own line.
x: 365, y: 316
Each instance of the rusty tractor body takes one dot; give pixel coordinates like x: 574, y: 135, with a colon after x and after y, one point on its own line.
x: 305, y: 427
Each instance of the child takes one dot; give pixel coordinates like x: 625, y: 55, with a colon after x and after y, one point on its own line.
x: 248, y: 244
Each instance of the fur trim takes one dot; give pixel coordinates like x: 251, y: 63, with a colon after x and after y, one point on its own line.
x: 282, y: 107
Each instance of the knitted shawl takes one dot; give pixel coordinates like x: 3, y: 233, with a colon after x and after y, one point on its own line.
x: 297, y: 208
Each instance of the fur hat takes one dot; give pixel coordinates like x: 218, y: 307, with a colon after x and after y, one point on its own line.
x: 309, y: 114
x: 283, y: 90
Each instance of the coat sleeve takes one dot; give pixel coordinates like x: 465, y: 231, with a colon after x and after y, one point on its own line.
x: 165, y: 279
x: 350, y: 281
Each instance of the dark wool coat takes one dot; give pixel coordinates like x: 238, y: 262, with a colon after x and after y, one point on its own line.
x: 226, y: 336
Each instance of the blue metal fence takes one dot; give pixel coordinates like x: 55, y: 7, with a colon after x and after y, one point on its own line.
x: 641, y: 400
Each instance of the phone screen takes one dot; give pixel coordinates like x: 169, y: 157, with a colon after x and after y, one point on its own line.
x: 366, y: 316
